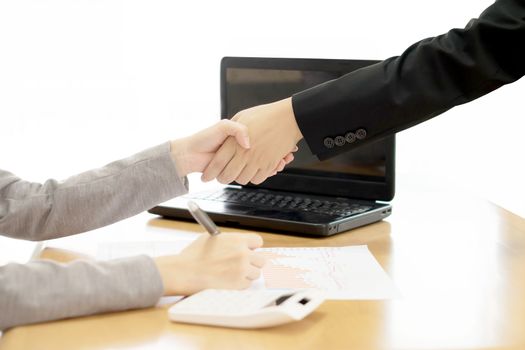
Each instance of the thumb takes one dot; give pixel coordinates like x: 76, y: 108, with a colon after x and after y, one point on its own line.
x: 238, y: 130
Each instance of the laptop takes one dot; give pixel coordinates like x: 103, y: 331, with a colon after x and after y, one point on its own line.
x: 309, y: 197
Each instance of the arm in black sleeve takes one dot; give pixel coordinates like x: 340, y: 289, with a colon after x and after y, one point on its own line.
x: 429, y: 78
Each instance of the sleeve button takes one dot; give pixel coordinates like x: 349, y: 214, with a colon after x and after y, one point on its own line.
x: 340, y: 141
x: 360, y: 134
x: 329, y: 142
x: 350, y: 137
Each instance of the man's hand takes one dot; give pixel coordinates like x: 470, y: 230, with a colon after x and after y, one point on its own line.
x: 273, y: 133
x: 225, y: 261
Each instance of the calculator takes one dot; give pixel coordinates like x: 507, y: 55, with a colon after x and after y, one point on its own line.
x: 246, y: 308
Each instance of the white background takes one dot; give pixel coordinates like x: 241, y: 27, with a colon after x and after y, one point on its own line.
x: 83, y: 83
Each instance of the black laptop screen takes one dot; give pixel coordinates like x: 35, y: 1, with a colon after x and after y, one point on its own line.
x: 244, y: 86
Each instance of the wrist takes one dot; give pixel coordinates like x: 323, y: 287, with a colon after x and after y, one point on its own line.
x: 170, y: 271
x: 179, y: 154
x: 290, y: 118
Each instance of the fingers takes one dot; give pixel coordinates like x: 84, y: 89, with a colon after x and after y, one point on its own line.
x: 220, y: 160
x: 230, y: 173
x: 228, y: 151
x: 253, y: 273
x: 258, y: 260
x: 260, y: 176
x: 281, y: 165
x: 232, y: 162
x: 254, y: 241
x: 288, y: 159
x: 237, y: 130
x: 234, y: 168
x: 247, y: 174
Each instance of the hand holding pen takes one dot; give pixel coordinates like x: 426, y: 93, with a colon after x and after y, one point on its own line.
x: 216, y: 261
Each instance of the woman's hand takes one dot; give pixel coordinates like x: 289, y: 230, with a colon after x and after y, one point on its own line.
x: 225, y: 261
x: 193, y: 153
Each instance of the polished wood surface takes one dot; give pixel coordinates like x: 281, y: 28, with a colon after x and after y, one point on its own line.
x: 458, y: 261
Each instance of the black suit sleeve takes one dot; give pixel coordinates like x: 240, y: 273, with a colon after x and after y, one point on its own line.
x: 429, y: 78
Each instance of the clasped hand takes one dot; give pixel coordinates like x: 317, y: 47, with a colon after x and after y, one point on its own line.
x: 257, y: 143
x: 273, y: 133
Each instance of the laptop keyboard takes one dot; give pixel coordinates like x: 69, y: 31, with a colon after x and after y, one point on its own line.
x: 263, y: 198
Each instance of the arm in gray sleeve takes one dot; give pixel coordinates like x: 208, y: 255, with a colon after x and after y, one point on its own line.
x: 89, y: 200
x: 44, y: 290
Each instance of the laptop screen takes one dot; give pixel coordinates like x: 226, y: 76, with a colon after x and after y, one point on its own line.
x: 247, y: 82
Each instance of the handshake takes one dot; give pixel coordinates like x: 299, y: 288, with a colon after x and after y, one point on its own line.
x: 257, y: 143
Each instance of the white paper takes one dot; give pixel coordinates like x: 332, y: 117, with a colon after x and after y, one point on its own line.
x: 344, y: 273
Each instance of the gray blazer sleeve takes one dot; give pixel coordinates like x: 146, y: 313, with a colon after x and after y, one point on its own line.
x: 89, y: 200
x: 44, y: 290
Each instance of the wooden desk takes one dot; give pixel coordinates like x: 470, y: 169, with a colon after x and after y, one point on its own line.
x: 458, y: 261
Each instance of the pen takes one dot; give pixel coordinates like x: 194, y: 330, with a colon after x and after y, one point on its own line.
x: 202, y: 218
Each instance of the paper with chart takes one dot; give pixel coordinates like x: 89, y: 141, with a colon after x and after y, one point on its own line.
x: 343, y: 272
